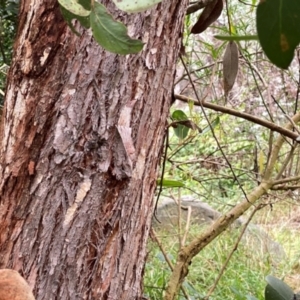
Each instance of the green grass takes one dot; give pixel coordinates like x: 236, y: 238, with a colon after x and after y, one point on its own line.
x: 245, y: 274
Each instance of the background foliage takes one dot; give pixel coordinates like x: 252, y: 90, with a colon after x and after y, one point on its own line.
x: 8, y: 25
x: 220, y: 157
x: 228, y: 159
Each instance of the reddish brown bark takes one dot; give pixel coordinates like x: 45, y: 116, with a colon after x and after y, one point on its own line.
x: 82, y: 133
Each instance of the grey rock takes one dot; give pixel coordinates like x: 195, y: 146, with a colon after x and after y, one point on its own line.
x: 166, y: 217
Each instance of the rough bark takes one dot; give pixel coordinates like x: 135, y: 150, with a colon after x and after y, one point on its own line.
x: 82, y: 133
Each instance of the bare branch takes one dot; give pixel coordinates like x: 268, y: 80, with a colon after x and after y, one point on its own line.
x: 285, y: 180
x: 233, y: 112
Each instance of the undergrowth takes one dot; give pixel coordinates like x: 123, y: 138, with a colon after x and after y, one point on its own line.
x: 244, y: 276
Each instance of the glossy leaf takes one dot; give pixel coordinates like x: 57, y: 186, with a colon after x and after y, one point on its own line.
x: 169, y: 183
x: 277, y: 289
x: 111, y: 34
x: 278, y: 29
x: 74, y: 7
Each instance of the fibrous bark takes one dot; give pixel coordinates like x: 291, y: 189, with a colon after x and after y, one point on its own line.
x: 82, y: 133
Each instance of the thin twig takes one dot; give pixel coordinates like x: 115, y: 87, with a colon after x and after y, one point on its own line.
x: 286, y: 115
x: 233, y: 112
x: 179, y: 218
x: 286, y: 180
x: 233, y: 250
x: 285, y: 188
x: 286, y: 161
x: 160, y: 246
x: 162, y: 173
x: 187, y: 226
x: 228, y: 17
x: 298, y: 85
x: 211, y: 128
x: 258, y: 88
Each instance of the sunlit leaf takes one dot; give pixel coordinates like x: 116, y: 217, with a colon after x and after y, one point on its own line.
x: 278, y: 29
x: 135, y: 6
x: 191, y: 106
x: 111, y: 34
x: 74, y: 7
x: 169, y: 183
x: 179, y: 115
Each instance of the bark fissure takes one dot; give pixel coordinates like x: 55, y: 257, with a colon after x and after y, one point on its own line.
x: 81, y: 140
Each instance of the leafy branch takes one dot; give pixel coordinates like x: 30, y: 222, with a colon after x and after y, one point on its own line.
x: 187, y: 253
x: 109, y: 33
x: 277, y: 24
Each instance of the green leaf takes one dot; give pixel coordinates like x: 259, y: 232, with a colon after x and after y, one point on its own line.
x: 180, y: 130
x: 135, y: 6
x: 74, y: 7
x: 237, y: 37
x: 191, y: 106
x: 111, y: 34
x: 169, y: 183
x: 68, y: 16
x: 278, y: 29
x: 85, y: 3
x: 277, y: 289
x: 179, y: 115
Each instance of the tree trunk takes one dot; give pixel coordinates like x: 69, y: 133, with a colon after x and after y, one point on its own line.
x: 82, y: 134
